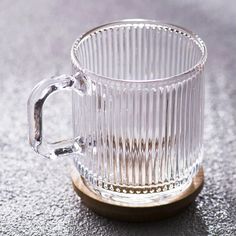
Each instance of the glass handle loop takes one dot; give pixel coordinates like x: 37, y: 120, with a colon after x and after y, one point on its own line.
x: 36, y: 101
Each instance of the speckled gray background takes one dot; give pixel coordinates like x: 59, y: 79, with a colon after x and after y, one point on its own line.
x: 36, y: 197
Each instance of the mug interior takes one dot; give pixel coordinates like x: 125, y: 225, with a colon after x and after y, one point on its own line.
x: 139, y: 50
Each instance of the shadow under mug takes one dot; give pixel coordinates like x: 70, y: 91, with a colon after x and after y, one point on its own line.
x: 138, y: 104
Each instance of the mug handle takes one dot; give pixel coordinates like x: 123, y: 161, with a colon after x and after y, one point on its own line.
x: 40, y: 93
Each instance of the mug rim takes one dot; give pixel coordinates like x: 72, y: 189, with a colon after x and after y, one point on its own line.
x: 197, y: 67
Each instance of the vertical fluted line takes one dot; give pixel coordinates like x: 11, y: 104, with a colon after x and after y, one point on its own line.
x: 106, y: 133
x: 161, y: 134
x: 115, y: 50
x: 183, y: 126
x: 109, y: 53
x: 167, y: 133
x: 168, y: 52
x: 196, y: 121
x: 93, y: 130
x: 161, y: 57
x: 111, y: 138
x: 201, y: 107
x: 95, y: 52
x: 136, y: 146
x: 193, y: 133
x: 191, y: 54
x: 171, y: 39
x: 178, y: 130
x: 183, y: 57
x: 88, y: 63
x: 186, y: 51
x: 110, y: 111
x: 174, y: 132
x: 139, y: 53
x: 104, y: 53
x: 98, y: 143
x: 181, y: 68
x: 90, y: 130
x: 194, y: 56
x: 149, y: 54
x: 124, y: 133
x: 134, y: 53
x: 178, y: 54
x: 83, y: 54
x: 119, y: 138
x: 144, y: 46
x: 143, y: 134
x: 150, y: 140
x: 133, y: 134
x: 156, y: 53
x: 174, y: 53
x: 91, y: 54
x: 198, y: 111
x: 139, y: 162
x: 130, y: 136
x: 191, y: 121
x: 155, y: 134
x: 102, y: 61
x: 166, y: 46
x: 121, y: 52
x: 102, y: 133
x: 122, y: 97
x: 171, y: 132
x: 99, y: 54
x: 187, y: 55
x: 127, y: 53
x: 188, y: 122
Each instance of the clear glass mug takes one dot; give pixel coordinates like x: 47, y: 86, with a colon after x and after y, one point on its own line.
x: 138, y: 104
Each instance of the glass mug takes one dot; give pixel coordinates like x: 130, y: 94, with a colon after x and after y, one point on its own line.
x: 138, y: 104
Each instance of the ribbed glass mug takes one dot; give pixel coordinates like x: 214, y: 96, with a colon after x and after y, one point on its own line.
x: 138, y: 104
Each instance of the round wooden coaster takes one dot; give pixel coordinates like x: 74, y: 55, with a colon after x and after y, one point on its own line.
x: 123, y: 212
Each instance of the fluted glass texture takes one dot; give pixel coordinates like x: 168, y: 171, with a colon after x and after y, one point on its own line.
x: 144, y: 113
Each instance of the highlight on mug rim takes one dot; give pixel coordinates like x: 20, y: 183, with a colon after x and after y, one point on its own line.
x: 140, y: 23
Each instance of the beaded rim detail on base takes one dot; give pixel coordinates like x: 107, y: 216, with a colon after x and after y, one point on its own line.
x: 129, y: 189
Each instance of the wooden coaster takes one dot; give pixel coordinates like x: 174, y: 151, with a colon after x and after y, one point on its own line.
x: 123, y: 212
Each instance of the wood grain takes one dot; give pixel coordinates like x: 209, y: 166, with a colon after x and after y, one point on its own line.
x: 139, y: 213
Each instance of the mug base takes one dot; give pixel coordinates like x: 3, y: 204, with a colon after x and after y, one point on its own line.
x: 141, y: 212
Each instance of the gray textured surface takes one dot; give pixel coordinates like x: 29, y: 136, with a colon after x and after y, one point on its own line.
x: 36, y: 197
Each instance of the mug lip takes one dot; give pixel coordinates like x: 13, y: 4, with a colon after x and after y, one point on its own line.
x: 197, y: 67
